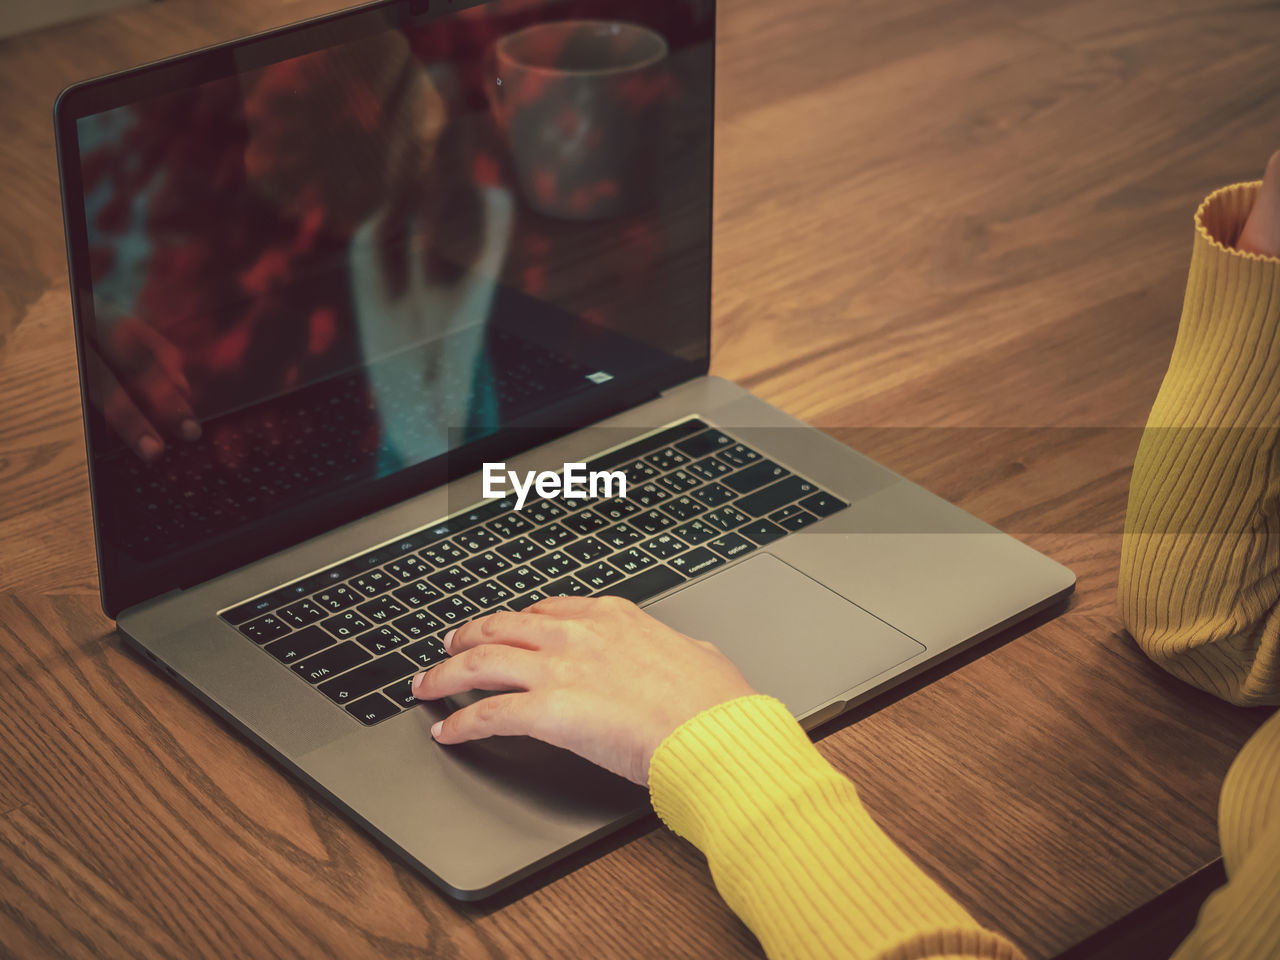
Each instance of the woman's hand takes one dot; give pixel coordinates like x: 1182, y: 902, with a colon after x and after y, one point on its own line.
x: 1261, y: 233
x: 136, y: 380
x: 595, y: 676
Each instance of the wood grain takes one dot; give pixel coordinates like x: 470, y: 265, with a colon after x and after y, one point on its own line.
x: 952, y: 232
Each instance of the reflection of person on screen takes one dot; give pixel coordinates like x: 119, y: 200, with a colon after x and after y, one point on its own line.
x: 225, y: 222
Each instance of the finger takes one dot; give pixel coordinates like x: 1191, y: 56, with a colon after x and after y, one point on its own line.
x: 168, y: 405
x: 121, y: 413
x: 508, y: 715
x: 169, y: 356
x: 515, y: 629
x: 490, y: 667
x: 576, y: 608
x: 1261, y: 233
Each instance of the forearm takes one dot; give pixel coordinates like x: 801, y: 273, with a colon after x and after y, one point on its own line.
x: 792, y: 850
x: 1200, y: 564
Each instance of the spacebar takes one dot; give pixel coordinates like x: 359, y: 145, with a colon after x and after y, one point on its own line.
x: 644, y: 585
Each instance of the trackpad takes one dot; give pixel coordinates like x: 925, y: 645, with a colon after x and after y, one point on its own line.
x: 790, y: 636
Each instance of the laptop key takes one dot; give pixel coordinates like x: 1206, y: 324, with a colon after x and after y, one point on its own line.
x: 709, y: 468
x: 528, y: 600
x: 615, y: 510
x: 382, y: 610
x: 417, y: 594
x: 381, y: 640
x: 684, y: 508
x: 451, y: 580
x: 599, y: 575
x: 453, y: 610
x: 739, y: 455
x: 696, y: 532
x: 488, y: 595
x: 337, y: 598
x: 331, y: 662
x: 408, y: 569
x: 726, y: 518
x: 373, y: 709
x: 584, y: 522
x: 567, y: 587
x: 761, y: 532
x: 555, y: 564
x: 756, y: 476
x: 247, y: 611
x: 400, y: 692
x: 300, y: 645
x: 554, y: 536
x: 641, y: 587
x: 651, y: 521
x: 543, y: 511
x: 680, y: 481
x: 709, y: 441
x: 621, y: 535
x: 696, y: 562
x: 771, y: 498
x: 632, y: 561
x: 520, y: 551
x: 354, y: 684
x: 301, y: 614
x: 425, y: 653
x: 823, y: 504
x: 665, y: 546
x: 522, y: 579
x: 588, y: 549
x: 373, y: 583
x: 795, y: 518
x: 731, y: 545
x: 346, y: 624
x: 648, y: 495
x: 442, y: 554
x: 265, y: 629
x: 486, y: 565
x: 668, y: 458
x: 714, y: 495
x: 473, y: 541
x: 419, y: 624
x: 510, y: 526
x: 637, y: 471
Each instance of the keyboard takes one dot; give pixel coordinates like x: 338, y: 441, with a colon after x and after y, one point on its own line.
x: 697, y: 498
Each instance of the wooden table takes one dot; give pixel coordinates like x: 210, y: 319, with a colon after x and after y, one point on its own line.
x: 952, y: 232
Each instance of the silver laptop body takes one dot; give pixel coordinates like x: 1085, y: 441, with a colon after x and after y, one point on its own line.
x: 833, y: 613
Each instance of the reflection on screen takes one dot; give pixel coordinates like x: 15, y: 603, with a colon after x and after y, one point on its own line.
x: 318, y: 273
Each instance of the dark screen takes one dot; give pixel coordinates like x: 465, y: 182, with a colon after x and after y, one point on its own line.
x: 317, y: 279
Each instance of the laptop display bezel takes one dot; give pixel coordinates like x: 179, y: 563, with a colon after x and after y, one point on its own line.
x: 123, y: 585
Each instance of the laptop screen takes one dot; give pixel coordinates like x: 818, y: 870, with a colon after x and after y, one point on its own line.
x: 323, y: 270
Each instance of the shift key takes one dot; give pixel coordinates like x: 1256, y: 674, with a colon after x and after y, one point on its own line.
x: 354, y: 684
x: 781, y: 494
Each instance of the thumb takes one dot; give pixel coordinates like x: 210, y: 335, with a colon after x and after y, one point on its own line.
x: 1261, y: 233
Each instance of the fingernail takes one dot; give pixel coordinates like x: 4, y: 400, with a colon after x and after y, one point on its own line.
x: 448, y: 639
x: 150, y: 447
x: 436, y: 728
x: 416, y: 681
x: 190, y: 431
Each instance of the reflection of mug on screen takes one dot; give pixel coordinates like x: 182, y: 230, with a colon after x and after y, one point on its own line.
x: 581, y: 103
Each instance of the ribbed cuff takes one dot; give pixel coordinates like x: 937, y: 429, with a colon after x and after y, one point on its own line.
x: 791, y: 848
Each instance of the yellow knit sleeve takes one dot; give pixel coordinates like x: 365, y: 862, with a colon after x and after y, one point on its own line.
x: 1241, y: 920
x: 792, y: 850
x: 1199, y: 585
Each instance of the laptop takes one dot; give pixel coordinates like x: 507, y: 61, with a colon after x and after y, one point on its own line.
x: 332, y: 282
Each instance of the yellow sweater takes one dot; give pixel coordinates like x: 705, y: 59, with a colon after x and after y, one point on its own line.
x: 789, y: 844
